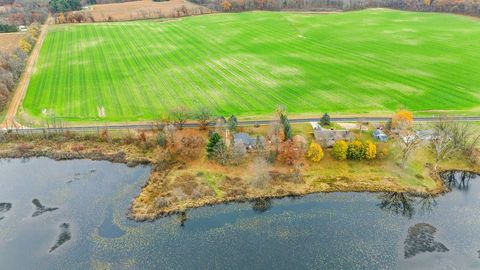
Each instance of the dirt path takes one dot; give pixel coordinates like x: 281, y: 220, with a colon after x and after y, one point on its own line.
x: 19, y: 94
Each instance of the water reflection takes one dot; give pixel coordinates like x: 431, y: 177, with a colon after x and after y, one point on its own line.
x: 459, y: 180
x: 427, y: 203
x: 182, y: 218
x: 331, y: 231
x: 421, y: 238
x: 63, y: 237
x: 398, y: 203
x: 40, y: 209
x: 262, y: 205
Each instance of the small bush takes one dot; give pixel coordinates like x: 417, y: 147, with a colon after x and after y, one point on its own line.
x: 370, y: 150
x: 315, y: 152
x: 77, y: 148
x: 104, y: 137
x: 355, y: 150
x: 128, y: 139
x: 272, y: 156
x: 382, y: 151
x: 24, y: 147
x: 161, y: 139
x: 339, y: 150
x: 289, y: 153
x: 190, y: 147
x: 142, y: 137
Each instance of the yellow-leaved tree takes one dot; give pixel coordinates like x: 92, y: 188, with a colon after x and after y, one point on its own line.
x: 315, y: 152
x: 339, y: 150
x: 25, y: 45
x: 226, y: 5
x: 370, y: 150
x: 402, y: 120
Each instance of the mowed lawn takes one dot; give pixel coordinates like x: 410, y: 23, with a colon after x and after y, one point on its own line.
x: 369, y: 61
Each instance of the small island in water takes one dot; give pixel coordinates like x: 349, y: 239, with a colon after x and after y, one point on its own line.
x: 225, y: 163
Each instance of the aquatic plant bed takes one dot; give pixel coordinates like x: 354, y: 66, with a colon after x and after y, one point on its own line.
x: 248, y: 63
x: 71, y: 215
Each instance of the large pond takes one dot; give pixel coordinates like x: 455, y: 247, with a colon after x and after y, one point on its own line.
x: 71, y: 215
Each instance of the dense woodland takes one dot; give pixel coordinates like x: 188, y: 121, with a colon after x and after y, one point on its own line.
x: 23, y: 12
x: 469, y: 7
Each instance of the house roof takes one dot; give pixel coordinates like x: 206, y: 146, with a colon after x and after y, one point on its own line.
x: 245, y: 138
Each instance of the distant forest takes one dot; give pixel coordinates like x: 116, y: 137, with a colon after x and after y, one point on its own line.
x: 468, y: 7
x: 23, y: 12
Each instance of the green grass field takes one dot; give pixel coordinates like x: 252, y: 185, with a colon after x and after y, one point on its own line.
x: 369, y: 61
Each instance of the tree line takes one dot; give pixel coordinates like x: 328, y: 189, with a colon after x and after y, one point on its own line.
x: 13, y: 64
x: 23, y: 12
x: 468, y: 7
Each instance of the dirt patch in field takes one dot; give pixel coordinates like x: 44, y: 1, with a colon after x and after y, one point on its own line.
x: 145, y: 10
x: 9, y: 41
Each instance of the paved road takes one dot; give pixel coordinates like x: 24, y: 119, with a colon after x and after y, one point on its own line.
x: 241, y: 123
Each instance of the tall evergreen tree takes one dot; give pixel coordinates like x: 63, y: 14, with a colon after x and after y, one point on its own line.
x: 287, y: 129
x: 212, y: 142
x: 232, y: 123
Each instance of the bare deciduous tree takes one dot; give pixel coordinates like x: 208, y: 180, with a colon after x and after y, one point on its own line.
x: 442, y: 141
x: 239, y: 152
x: 170, y: 131
x: 275, y: 136
x: 203, y: 116
x: 180, y: 115
x: 453, y: 137
x: 220, y: 153
x: 260, y: 172
x: 407, y: 144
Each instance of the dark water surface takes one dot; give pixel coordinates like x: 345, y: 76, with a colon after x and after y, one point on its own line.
x: 71, y: 215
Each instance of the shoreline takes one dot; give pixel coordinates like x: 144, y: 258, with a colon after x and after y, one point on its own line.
x: 175, y: 186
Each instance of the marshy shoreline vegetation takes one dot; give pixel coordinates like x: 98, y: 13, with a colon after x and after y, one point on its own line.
x: 197, y: 167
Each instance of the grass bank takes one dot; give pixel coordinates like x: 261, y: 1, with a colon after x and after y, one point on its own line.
x: 178, y: 183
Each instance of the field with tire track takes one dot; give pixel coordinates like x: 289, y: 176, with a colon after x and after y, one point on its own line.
x: 369, y: 61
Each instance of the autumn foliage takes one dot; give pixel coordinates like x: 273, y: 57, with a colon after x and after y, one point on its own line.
x: 403, y: 119
x: 226, y: 5
x: 356, y: 150
x: 289, y: 152
x: 339, y: 150
x: 315, y: 152
x: 370, y: 150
